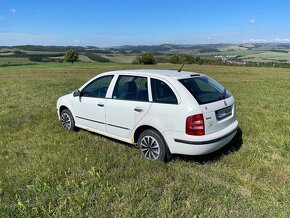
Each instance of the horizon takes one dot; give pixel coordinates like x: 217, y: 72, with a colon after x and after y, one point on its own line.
x: 114, y: 23
x: 149, y: 45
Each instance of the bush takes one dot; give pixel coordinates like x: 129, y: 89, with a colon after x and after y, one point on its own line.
x: 174, y: 59
x: 36, y: 58
x: 146, y: 58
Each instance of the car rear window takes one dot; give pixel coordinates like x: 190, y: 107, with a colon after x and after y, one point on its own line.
x: 204, y: 89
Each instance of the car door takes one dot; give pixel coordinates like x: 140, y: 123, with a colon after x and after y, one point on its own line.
x: 128, y: 105
x: 89, y: 107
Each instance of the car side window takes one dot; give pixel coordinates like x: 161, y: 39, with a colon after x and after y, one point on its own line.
x: 133, y: 88
x: 97, y: 88
x: 162, y: 93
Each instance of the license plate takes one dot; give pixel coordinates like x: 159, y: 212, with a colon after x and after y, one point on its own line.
x: 223, y: 113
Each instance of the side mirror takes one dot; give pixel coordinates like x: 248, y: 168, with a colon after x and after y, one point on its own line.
x: 77, y: 93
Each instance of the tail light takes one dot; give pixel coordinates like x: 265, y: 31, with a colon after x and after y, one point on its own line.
x: 195, y: 125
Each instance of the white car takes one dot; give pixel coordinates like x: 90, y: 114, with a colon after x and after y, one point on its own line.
x: 164, y: 112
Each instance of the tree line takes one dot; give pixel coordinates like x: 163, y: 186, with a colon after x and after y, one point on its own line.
x: 148, y: 58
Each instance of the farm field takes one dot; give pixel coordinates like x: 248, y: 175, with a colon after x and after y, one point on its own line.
x: 8, y: 61
x: 121, y: 58
x: 270, y: 56
x: 46, y: 171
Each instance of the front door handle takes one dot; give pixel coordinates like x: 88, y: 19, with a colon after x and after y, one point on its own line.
x: 138, y: 109
x: 101, y: 105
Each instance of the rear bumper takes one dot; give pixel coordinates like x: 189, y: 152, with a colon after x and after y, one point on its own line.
x: 180, y: 143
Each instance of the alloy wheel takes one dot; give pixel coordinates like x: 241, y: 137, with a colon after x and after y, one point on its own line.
x: 66, y: 121
x: 150, y: 147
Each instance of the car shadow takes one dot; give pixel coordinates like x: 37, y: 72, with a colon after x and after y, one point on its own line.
x: 233, y: 146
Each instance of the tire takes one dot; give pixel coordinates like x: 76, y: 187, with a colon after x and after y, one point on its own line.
x: 152, y: 146
x: 67, y: 121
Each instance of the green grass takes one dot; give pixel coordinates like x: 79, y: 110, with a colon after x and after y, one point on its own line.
x: 6, y: 53
x: 41, y: 52
x: 4, y: 61
x: 121, y: 58
x: 241, y: 53
x: 46, y: 171
x: 270, y: 56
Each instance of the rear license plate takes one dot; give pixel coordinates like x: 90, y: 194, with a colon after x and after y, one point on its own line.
x: 223, y: 113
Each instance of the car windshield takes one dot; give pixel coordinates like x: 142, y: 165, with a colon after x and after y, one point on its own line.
x: 204, y: 89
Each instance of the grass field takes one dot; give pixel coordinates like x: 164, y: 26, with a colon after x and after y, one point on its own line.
x: 19, y: 61
x: 121, y: 58
x: 270, y: 56
x: 241, y: 53
x: 46, y: 171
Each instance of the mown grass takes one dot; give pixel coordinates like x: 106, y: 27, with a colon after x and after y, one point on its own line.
x: 46, y: 171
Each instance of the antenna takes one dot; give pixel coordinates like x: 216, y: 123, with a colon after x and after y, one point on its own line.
x: 181, y: 67
x: 184, y: 62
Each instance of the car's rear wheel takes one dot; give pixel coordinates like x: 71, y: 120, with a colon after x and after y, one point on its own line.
x: 152, y: 145
x: 67, y: 120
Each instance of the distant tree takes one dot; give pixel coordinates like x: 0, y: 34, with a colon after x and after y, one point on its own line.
x: 146, y: 58
x: 174, y: 59
x: 36, y: 58
x: 71, y: 55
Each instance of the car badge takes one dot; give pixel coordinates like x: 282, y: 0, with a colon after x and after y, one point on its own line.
x: 225, y: 103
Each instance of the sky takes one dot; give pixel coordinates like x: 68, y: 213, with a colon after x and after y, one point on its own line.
x: 134, y: 22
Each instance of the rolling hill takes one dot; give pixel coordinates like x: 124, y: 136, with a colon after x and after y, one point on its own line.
x: 242, y: 54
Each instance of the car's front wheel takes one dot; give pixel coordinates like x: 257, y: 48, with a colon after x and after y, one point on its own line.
x: 152, y: 145
x: 67, y: 120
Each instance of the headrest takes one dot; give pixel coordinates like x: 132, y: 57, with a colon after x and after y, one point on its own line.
x: 130, y: 86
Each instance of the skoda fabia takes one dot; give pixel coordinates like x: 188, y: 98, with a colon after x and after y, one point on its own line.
x: 163, y: 112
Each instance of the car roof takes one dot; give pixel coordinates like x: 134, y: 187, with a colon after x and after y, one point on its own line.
x: 154, y: 72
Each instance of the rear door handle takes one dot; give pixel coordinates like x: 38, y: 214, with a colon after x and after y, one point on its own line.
x: 138, y: 109
x: 101, y: 105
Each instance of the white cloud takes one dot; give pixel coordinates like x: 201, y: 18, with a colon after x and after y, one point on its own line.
x: 280, y: 40
x: 274, y: 40
x: 76, y: 41
x: 13, y: 10
x: 252, y: 21
x: 256, y: 40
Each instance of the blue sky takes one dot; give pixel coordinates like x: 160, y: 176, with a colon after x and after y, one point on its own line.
x: 122, y: 22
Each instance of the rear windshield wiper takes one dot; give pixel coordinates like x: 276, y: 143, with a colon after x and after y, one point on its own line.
x: 223, y: 96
